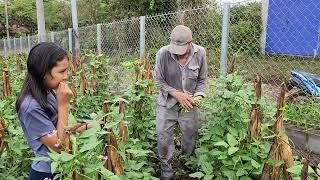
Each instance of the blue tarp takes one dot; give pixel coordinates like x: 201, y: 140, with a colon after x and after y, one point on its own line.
x: 293, y: 27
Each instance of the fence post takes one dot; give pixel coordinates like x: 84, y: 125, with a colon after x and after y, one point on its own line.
x: 29, y: 43
x: 99, y: 42
x: 14, y: 45
x: 224, y: 39
x: 142, y: 36
x: 41, y: 21
x: 21, y: 48
x: 76, y: 54
x: 180, y: 13
x: 7, y: 21
x: 5, y: 47
x: 70, y: 39
x: 52, y: 36
x: 264, y: 11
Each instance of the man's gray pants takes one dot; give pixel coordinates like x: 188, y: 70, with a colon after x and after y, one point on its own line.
x: 167, y: 120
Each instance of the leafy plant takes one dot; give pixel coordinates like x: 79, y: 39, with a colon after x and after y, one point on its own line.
x: 225, y: 149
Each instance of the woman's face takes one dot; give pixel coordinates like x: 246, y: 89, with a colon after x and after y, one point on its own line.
x: 58, y: 73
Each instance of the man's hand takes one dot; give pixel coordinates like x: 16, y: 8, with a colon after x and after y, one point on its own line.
x: 185, y: 99
x: 197, y: 98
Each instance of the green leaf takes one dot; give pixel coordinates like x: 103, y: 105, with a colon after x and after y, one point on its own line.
x: 93, y: 116
x: 134, y: 175
x: 215, y: 153
x: 89, y: 146
x: 139, y: 152
x: 231, y: 140
x: 45, y: 159
x: 222, y: 156
x: 255, y: 164
x: 230, y: 174
x: 246, y: 158
x: 208, y: 177
x: 227, y: 94
x: 54, y: 166
x: 138, y: 166
x: 221, y: 143
x: 245, y: 178
x: 54, y: 155
x: 207, y: 168
x: 232, y: 150
x: 295, y: 169
x: 92, y: 131
x: 275, y: 163
x: 241, y: 172
x: 65, y: 157
x: 105, y: 172
x: 197, y: 175
x: 72, y: 119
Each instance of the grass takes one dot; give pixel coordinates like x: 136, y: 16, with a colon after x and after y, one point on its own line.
x: 304, y: 115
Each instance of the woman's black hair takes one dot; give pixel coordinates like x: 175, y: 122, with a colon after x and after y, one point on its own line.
x: 42, y: 58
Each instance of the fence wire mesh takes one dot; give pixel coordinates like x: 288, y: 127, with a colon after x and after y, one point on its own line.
x: 121, y: 39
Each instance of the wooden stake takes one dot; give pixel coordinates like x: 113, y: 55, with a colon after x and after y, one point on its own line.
x: 280, y: 149
x: 256, y: 116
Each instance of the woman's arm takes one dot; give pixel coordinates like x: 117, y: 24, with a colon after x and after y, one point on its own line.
x: 63, y: 95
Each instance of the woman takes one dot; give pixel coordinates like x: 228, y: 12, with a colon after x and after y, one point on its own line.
x: 43, y: 104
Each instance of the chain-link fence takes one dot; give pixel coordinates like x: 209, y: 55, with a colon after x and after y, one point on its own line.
x: 270, y: 37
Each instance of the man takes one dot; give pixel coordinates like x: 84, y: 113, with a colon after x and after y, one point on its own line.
x: 181, y: 76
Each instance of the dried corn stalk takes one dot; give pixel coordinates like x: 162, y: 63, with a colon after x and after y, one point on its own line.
x: 122, y: 106
x: 18, y: 65
x: 5, y: 80
x: 137, y: 69
x: 113, y: 162
x: 280, y: 149
x: 304, y: 170
x: 93, y: 84
x: 232, y: 67
x: 123, y: 126
x: 147, y: 76
x: 3, y: 133
x: 67, y: 143
x: 113, y: 155
x: 108, y: 164
x: 83, y: 85
x: 255, y: 122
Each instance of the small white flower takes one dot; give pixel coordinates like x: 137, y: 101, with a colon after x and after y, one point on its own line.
x: 125, y: 123
x: 104, y: 158
x: 56, y: 145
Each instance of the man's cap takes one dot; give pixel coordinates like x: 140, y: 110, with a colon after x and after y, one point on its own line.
x: 180, y: 37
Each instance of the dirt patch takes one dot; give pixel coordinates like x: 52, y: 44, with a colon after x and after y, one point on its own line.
x: 271, y: 92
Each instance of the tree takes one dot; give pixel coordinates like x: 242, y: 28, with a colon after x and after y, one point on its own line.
x: 22, y: 15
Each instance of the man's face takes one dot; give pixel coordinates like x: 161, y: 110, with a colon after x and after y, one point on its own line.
x: 187, y: 50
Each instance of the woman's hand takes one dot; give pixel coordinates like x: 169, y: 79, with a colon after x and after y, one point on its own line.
x: 63, y: 94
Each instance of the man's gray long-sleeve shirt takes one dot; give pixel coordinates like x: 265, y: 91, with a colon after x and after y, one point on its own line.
x: 171, y: 76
